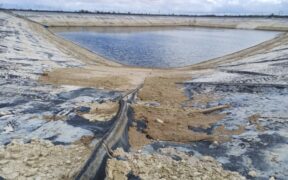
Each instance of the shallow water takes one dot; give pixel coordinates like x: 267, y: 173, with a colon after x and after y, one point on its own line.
x: 163, y: 47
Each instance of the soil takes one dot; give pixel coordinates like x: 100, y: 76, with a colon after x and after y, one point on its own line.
x: 163, y: 90
x: 101, y: 111
x: 170, y: 121
x: 73, y: 77
x: 222, y: 131
x: 137, y: 139
x: 254, y: 119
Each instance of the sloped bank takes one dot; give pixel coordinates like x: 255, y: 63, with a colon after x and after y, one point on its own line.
x: 83, y: 19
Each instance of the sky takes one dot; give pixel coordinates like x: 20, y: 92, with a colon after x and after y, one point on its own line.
x: 157, y: 6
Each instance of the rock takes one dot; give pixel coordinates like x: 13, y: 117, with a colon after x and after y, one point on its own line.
x: 15, y: 156
x: 8, y: 129
x: 161, y: 165
x: 29, y: 163
x: 216, y: 143
x: 272, y: 178
x: 119, y: 171
x: 207, y: 158
x: 134, y: 124
x: 197, y: 174
x: 119, y: 152
x: 30, y: 172
x: 152, y: 104
x: 2, y: 154
x: 8, y: 170
x: 13, y: 175
x: 160, y: 121
x: 38, y: 178
x: 68, y: 162
x: 2, y: 162
x: 37, y: 160
x: 7, y: 155
x: 5, y: 113
x: 174, y: 177
x: 252, y: 173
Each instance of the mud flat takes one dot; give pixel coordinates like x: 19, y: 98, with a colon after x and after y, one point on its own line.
x: 232, y: 109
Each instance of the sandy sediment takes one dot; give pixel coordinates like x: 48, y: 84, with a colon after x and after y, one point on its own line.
x: 100, y: 111
x: 167, y: 116
x: 109, y: 77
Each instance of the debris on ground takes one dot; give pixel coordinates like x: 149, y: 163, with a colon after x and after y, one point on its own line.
x: 168, y: 163
x: 41, y: 159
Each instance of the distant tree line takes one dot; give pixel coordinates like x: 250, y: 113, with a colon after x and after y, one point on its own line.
x: 151, y: 14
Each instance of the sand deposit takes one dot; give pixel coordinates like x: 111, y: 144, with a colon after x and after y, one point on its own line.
x: 170, y: 119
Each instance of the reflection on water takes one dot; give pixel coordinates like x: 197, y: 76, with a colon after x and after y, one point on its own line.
x: 163, y: 47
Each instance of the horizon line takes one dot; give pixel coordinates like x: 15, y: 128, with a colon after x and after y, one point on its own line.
x: 199, y: 14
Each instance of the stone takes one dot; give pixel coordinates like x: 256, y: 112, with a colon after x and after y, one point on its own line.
x: 119, y: 152
x: 13, y: 175
x: 272, y: 178
x: 68, y: 162
x: 2, y: 162
x: 197, y: 174
x: 252, y: 173
x: 30, y: 172
x: 207, y: 158
x: 161, y: 165
x: 159, y: 121
x: 7, y: 170
x: 134, y: 124
x: 30, y: 163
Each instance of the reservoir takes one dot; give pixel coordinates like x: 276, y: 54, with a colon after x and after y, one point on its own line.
x: 163, y: 47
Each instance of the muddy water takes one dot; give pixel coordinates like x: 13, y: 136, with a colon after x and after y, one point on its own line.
x: 163, y: 47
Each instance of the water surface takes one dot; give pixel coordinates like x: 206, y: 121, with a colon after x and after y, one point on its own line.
x: 164, y: 47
